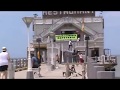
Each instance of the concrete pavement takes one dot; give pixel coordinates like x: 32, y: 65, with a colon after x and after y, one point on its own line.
x: 46, y: 74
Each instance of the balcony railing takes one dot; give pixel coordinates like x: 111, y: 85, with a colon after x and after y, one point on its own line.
x: 79, y: 43
x: 36, y: 36
x: 86, y: 20
x: 55, y: 45
x: 63, y: 20
x: 99, y: 35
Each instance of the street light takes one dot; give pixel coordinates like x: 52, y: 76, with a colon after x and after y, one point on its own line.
x: 28, y: 21
x: 62, y: 54
x: 87, y: 38
x: 95, y: 57
x: 52, y: 35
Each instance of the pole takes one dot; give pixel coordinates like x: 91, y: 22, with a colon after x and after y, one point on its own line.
x: 39, y: 51
x: 67, y: 66
x: 85, y: 63
x: 86, y: 50
x: 29, y: 71
x: 52, y: 61
x: 62, y: 54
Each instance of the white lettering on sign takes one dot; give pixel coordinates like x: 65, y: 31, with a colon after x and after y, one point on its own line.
x: 45, y: 12
x: 59, y: 14
x: 49, y: 12
x: 88, y: 11
x: 55, y: 12
x: 71, y: 12
x: 66, y: 12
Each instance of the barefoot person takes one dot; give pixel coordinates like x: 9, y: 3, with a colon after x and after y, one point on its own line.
x: 4, y: 60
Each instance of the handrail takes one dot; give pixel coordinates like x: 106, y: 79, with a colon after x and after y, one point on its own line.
x: 91, y: 38
x: 80, y: 24
x: 85, y: 25
x: 98, y: 35
x: 46, y: 30
x: 63, y: 20
x: 50, y: 27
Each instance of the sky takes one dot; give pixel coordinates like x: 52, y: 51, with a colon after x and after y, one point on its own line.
x: 13, y: 32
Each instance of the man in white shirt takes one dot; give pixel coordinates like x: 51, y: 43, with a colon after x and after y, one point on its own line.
x: 4, y: 59
x: 70, y: 45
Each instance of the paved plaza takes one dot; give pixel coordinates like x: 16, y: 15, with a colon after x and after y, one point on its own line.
x: 47, y: 74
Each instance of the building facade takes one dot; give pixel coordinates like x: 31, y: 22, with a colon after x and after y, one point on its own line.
x: 68, y: 26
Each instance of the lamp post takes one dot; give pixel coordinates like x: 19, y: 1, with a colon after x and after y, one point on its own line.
x: 52, y: 35
x: 62, y: 54
x: 95, y: 52
x: 28, y: 21
x: 87, y: 39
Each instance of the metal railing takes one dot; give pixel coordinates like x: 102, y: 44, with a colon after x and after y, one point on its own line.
x: 98, y: 35
x: 43, y: 42
x: 66, y: 20
x: 55, y: 45
x: 79, y: 43
x: 63, y: 20
x: 56, y: 24
x: 39, y: 20
x: 106, y: 59
x: 79, y: 24
x: 19, y: 63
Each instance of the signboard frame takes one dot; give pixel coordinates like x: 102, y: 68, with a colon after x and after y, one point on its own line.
x: 66, y: 37
x: 60, y: 14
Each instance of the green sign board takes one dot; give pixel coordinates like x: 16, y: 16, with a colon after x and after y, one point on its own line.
x: 66, y: 37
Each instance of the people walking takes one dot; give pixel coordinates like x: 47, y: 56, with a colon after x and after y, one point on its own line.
x: 82, y: 65
x: 78, y: 40
x: 35, y: 62
x: 4, y: 60
x: 57, y: 60
x: 74, y: 57
x: 81, y: 58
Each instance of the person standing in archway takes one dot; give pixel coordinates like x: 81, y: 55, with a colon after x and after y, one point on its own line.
x: 70, y: 45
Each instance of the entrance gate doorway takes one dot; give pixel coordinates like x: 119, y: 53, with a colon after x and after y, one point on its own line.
x: 95, y: 52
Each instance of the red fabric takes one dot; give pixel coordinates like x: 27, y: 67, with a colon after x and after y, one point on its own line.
x: 81, y: 60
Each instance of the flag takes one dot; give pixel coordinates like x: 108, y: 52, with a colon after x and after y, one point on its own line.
x: 38, y: 55
x: 83, y: 26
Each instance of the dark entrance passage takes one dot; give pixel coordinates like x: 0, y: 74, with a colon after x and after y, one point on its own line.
x: 95, y: 52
